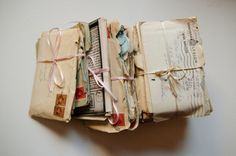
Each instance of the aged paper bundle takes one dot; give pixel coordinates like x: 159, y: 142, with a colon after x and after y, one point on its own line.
x: 173, y: 68
x: 112, y: 76
x: 56, y: 61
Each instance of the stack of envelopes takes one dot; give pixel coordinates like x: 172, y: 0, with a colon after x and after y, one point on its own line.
x: 113, y: 77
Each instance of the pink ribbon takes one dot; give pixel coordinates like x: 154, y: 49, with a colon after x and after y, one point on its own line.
x: 99, y: 70
x: 55, y: 66
x: 101, y: 84
x: 56, y: 75
x: 122, y: 78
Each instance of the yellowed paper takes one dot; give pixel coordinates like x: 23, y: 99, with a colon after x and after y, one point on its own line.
x: 116, y: 88
x: 170, y: 45
x: 57, y: 104
x: 165, y: 58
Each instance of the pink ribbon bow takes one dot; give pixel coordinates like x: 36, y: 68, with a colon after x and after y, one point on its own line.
x: 113, y: 120
x: 55, y: 67
x: 56, y: 75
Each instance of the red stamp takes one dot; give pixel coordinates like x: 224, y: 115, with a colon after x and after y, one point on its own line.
x: 80, y: 93
x: 121, y: 120
x: 61, y: 99
x: 59, y: 111
x: 60, y: 104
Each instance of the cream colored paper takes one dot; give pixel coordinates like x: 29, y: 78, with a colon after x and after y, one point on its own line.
x: 142, y: 84
x: 105, y: 62
x: 116, y: 86
x: 175, y: 44
x: 43, y: 101
x: 116, y: 70
x: 169, y: 74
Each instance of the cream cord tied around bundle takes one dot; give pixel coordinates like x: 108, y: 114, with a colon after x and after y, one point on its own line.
x: 56, y: 75
x: 173, y: 80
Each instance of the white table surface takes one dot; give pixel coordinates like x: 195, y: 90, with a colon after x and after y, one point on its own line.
x: 21, y: 23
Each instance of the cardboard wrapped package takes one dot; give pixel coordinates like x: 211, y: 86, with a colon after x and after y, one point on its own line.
x: 55, y: 76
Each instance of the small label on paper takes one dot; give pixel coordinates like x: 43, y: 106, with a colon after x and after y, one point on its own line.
x: 80, y: 93
x: 60, y: 104
x: 59, y: 111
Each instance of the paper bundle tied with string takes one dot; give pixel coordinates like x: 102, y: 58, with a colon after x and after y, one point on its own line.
x: 113, y: 76
x: 173, y: 76
x: 55, y: 77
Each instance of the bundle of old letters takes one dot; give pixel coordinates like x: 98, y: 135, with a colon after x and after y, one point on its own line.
x: 112, y: 77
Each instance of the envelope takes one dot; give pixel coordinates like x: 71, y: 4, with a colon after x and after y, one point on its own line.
x: 55, y: 77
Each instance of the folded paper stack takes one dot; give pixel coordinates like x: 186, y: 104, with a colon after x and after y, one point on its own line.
x: 113, y: 77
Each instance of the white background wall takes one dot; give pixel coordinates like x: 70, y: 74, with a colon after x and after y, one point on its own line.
x: 21, y: 23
